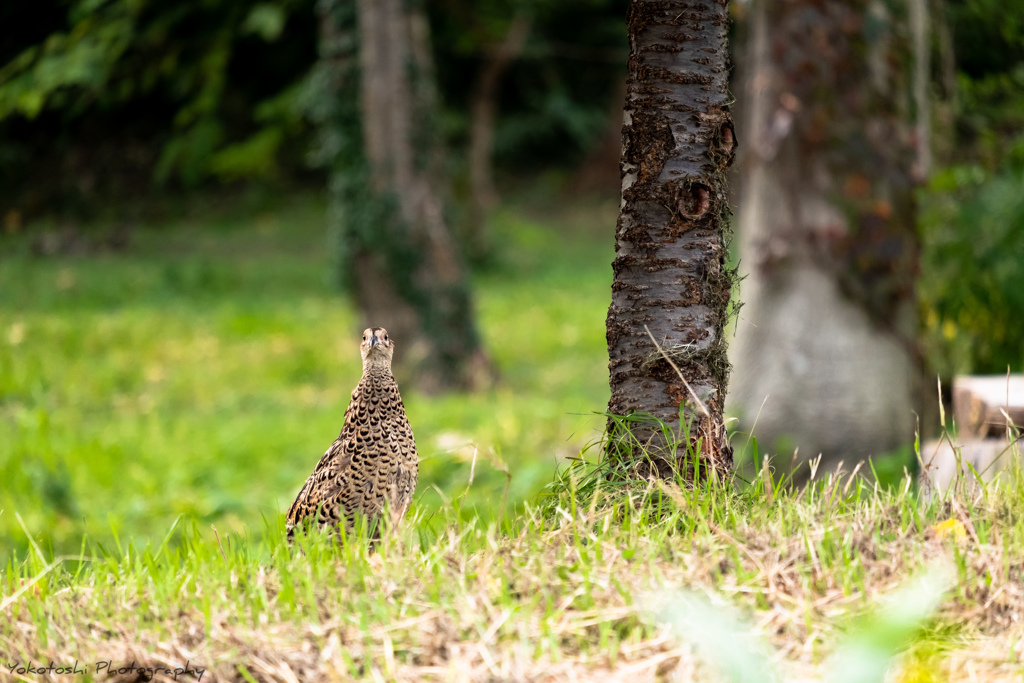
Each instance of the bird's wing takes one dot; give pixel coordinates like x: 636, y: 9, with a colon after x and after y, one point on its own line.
x: 334, y: 456
x: 402, y: 479
x: 328, y: 477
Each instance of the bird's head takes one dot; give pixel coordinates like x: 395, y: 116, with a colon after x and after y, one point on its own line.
x: 377, y: 347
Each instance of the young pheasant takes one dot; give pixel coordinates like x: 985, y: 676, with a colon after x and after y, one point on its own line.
x: 373, y: 461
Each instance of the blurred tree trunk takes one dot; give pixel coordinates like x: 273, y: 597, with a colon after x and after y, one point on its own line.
x: 483, y: 113
x: 375, y: 95
x: 825, y: 356
x: 671, y: 240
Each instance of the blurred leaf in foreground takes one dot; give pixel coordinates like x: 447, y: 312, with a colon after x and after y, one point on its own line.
x: 864, y: 656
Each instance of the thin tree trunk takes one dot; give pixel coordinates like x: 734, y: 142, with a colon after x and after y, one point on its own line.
x: 395, y: 250
x: 944, y: 105
x: 670, y: 280
x: 919, y: 29
x: 483, y: 113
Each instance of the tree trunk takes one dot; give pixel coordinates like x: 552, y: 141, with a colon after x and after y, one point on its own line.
x: 395, y: 251
x: 483, y: 113
x: 825, y: 353
x: 670, y: 284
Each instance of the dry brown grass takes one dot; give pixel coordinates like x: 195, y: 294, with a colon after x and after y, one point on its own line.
x: 565, y: 593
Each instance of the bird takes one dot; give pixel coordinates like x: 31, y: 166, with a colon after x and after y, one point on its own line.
x: 373, y: 464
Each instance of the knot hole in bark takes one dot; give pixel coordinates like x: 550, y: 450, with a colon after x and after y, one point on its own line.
x: 725, y: 145
x: 693, y: 200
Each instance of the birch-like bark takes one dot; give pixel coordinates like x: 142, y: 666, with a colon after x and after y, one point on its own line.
x: 671, y: 238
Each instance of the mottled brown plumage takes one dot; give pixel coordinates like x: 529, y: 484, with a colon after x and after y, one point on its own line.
x: 373, y: 462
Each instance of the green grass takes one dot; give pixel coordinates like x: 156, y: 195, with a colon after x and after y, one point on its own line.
x: 160, y: 407
x: 580, y: 585
x: 204, y: 371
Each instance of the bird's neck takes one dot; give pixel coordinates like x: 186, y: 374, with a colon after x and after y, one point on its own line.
x: 377, y: 371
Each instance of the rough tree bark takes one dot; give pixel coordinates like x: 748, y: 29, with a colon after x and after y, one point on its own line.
x: 374, y: 100
x: 671, y: 239
x: 825, y: 355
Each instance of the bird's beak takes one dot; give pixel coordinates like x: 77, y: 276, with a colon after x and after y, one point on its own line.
x: 374, y: 340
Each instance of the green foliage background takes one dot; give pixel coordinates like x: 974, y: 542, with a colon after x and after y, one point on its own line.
x: 972, y: 217
x: 106, y: 101
x: 103, y: 99
x: 201, y: 372
x: 205, y: 373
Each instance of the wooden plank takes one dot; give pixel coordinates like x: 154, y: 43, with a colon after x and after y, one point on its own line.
x: 942, y: 464
x: 979, y: 402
